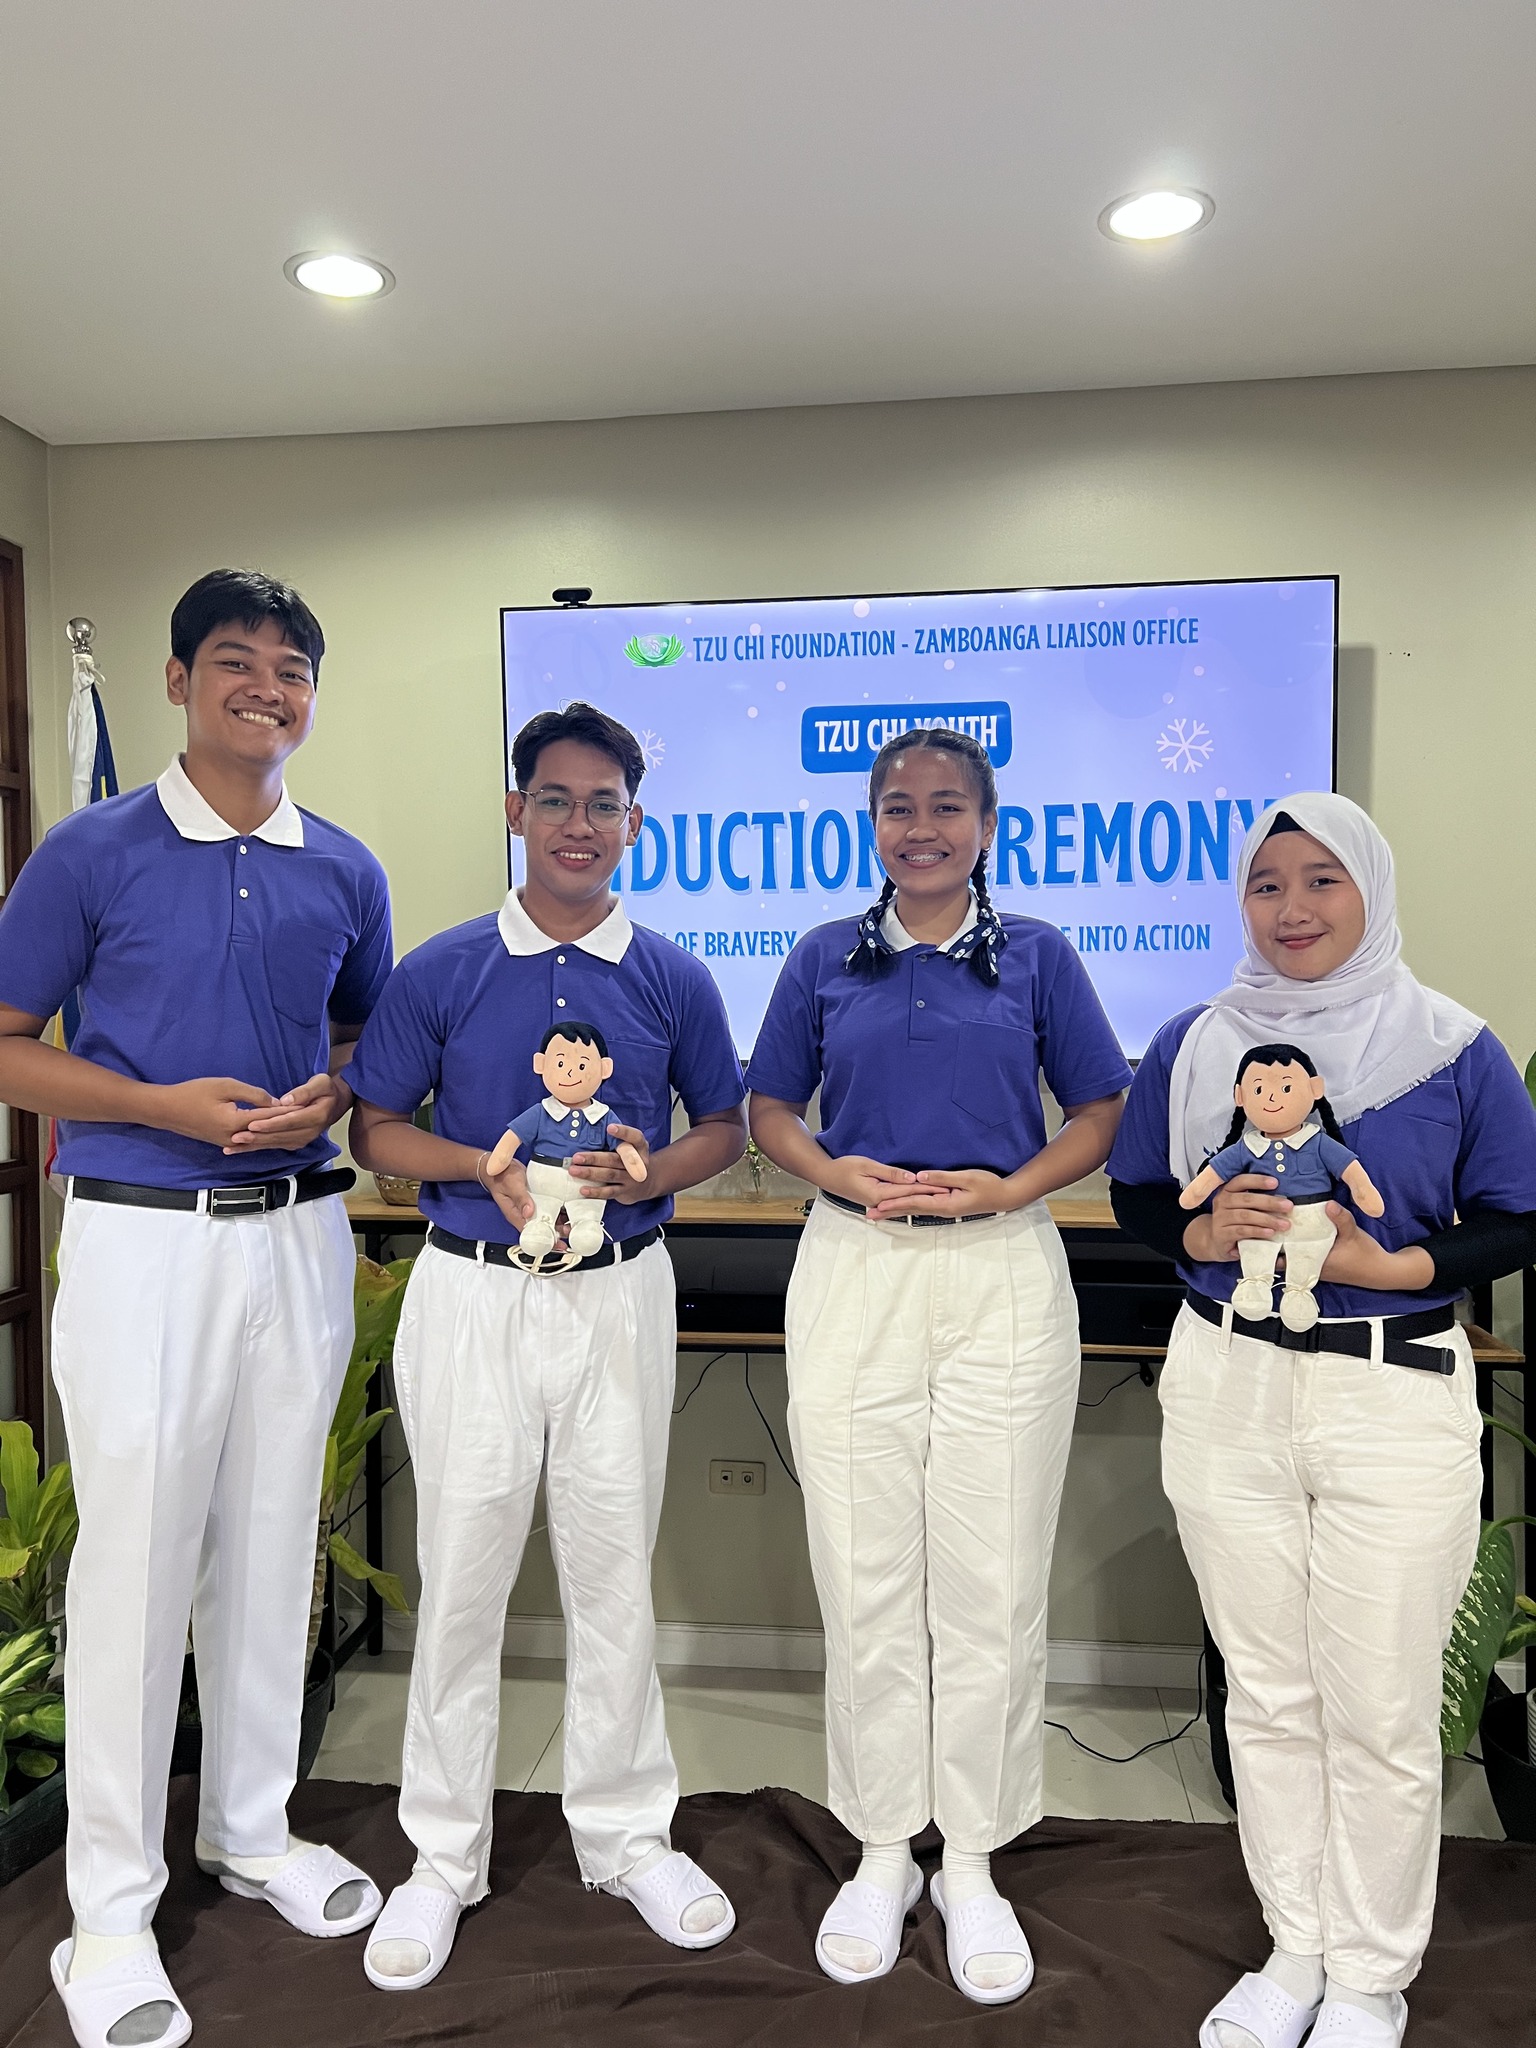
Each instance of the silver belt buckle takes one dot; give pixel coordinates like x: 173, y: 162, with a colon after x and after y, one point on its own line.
x: 246, y: 1201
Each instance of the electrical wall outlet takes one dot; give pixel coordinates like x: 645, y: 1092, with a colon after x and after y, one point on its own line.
x: 737, y: 1475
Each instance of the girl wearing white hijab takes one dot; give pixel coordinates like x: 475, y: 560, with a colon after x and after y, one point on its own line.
x: 1327, y: 1482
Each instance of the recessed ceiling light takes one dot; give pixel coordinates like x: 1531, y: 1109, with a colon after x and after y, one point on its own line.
x: 1154, y: 216
x: 335, y: 276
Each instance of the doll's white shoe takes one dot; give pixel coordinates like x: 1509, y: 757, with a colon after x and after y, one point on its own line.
x: 586, y: 1236
x: 1251, y: 1299
x: 537, y: 1238
x: 1298, y: 1308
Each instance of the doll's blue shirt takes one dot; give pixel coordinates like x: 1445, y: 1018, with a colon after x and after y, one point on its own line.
x: 196, y: 950
x: 924, y: 1065
x: 571, y: 1131
x: 1306, y: 1171
x: 1463, y: 1139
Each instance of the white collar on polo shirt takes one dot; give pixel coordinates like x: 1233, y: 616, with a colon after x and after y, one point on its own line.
x: 195, y: 818
x: 898, y: 938
x: 1258, y: 1144
x: 594, y: 1112
x: 522, y: 937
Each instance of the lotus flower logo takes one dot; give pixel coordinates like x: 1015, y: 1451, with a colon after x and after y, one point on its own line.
x: 651, y: 650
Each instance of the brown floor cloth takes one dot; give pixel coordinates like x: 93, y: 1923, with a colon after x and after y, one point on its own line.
x: 1137, y: 1928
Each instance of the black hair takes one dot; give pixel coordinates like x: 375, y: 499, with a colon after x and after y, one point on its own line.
x: 578, y: 1034
x: 939, y: 739
x: 1279, y: 1055
x: 247, y: 598
x: 588, y: 725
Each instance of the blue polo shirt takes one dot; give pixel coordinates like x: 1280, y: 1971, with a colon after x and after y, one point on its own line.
x: 1464, y: 1139
x: 463, y: 1015
x: 1306, y: 1168
x: 558, y: 1137
x: 922, y: 1065
x: 198, y: 952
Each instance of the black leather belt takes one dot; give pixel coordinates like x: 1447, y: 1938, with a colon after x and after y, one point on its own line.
x: 918, y: 1222
x: 614, y: 1253
x: 1352, y: 1340
x: 247, y: 1198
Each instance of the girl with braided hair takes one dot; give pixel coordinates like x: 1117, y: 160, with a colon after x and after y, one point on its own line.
x: 931, y: 1333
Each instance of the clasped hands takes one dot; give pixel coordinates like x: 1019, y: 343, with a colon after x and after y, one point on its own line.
x: 237, y: 1116
x: 886, y: 1191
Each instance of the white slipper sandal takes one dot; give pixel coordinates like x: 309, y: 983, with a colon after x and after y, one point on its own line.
x: 101, y: 2001
x: 1346, y: 2026
x: 987, y: 1926
x: 1266, y: 2009
x: 302, y: 1890
x: 419, y: 1913
x: 863, y: 1912
x: 665, y: 1893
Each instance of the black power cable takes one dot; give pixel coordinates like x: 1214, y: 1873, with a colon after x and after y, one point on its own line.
x: 746, y: 1373
x: 1161, y: 1742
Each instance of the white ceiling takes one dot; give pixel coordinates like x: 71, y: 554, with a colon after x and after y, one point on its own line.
x: 600, y: 207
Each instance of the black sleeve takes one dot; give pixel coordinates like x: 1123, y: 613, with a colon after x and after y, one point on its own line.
x: 1484, y: 1246
x: 1149, y: 1211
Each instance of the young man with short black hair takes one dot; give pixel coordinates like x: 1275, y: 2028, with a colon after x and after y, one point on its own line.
x: 227, y: 947
x: 493, y: 1363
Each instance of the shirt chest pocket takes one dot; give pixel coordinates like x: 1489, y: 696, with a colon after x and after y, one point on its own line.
x: 302, y: 961
x: 638, y: 1091
x: 994, y: 1065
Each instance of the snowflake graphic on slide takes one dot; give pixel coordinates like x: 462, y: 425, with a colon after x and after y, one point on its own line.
x: 1189, y: 749
x: 653, y: 748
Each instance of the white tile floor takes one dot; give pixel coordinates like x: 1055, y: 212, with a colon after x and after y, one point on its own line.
x: 733, y: 1731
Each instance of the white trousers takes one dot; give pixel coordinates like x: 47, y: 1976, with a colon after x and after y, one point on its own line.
x: 1306, y: 1241
x: 554, y: 1188
x: 1329, y: 1511
x: 933, y: 1376
x: 494, y: 1368
x: 198, y: 1362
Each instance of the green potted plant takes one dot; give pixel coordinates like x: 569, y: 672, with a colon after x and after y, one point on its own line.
x: 1494, y: 1622
x: 37, y: 1533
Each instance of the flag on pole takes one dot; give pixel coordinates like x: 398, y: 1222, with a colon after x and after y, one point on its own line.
x: 93, y: 775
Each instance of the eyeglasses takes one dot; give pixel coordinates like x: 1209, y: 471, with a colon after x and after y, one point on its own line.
x: 602, y: 812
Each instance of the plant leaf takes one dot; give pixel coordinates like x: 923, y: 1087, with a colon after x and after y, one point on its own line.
x: 36, y: 1763
x: 24, y: 1655
x: 46, y: 1722
x: 18, y: 1474
x: 386, y: 1584
x: 13, y: 1563
x: 1477, y: 1634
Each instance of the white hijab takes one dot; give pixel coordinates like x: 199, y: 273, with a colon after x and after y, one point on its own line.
x: 1371, y: 1030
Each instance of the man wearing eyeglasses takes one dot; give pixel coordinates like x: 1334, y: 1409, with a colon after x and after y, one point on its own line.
x: 493, y: 1363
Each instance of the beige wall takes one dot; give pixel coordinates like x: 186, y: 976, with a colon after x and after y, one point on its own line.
x: 1419, y: 490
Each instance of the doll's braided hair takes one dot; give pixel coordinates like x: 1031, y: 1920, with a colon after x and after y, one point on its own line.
x: 1279, y: 1056
x: 986, y: 938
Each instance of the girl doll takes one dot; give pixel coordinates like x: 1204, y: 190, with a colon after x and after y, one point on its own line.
x: 932, y: 1344
x: 1278, y: 1093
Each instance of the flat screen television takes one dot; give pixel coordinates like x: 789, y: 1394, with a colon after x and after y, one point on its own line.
x: 1136, y: 730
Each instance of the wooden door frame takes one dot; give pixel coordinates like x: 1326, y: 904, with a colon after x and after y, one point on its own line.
x: 21, y: 1306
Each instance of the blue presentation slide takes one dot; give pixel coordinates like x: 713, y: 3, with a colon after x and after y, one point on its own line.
x: 1135, y: 731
